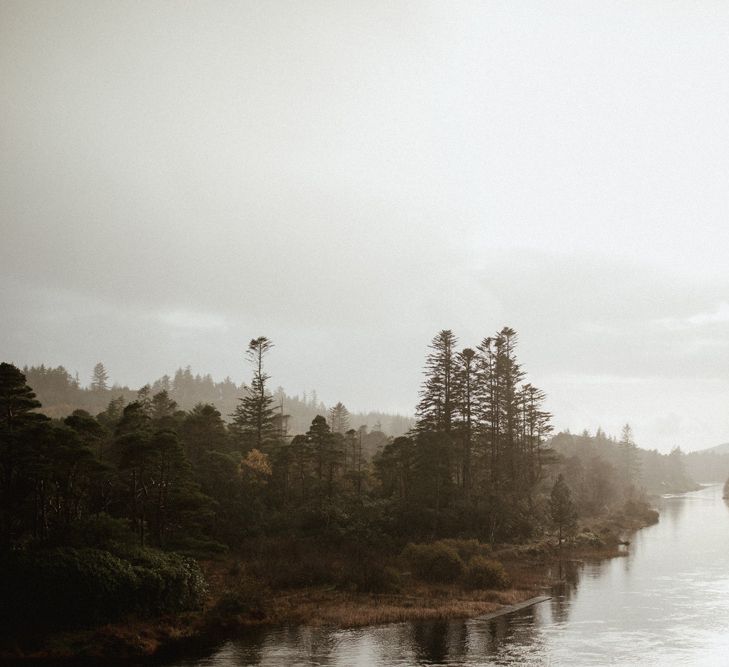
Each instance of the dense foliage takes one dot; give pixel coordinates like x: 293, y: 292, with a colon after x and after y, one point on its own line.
x: 99, y: 508
x: 64, y: 587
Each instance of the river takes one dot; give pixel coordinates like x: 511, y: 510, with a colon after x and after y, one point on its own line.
x: 665, y: 603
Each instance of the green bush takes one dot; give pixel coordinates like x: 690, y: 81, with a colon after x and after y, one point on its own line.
x: 167, y: 582
x: 98, y: 531
x: 435, y: 563
x: 66, y: 587
x: 484, y: 573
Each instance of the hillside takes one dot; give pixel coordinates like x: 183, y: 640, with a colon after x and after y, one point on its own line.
x: 655, y: 472
x: 717, y: 449
x: 60, y: 394
x: 709, y: 465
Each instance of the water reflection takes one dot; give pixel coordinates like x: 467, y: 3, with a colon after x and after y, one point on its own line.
x: 665, y: 603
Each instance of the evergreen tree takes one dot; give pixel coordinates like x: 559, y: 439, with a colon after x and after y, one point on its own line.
x: 339, y: 418
x: 113, y: 413
x: 18, y: 430
x: 561, y: 508
x: 91, y: 432
x: 630, y: 463
x: 144, y: 399
x: 99, y: 378
x: 467, y: 401
x: 327, y: 452
x: 254, y: 418
x: 17, y: 399
x: 438, y: 404
x: 203, y: 430
x: 163, y: 410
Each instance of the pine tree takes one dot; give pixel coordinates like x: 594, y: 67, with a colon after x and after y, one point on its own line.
x: 162, y: 406
x: 17, y: 439
x: 467, y: 401
x: 501, y: 374
x: 561, y: 508
x: 339, y: 418
x: 327, y: 451
x: 254, y: 418
x: 99, y: 378
x: 438, y: 405
x: 535, y: 427
x: 629, y: 459
x: 17, y: 399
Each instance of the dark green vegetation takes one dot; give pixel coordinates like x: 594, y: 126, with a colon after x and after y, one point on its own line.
x: 105, y: 516
x: 451, y: 560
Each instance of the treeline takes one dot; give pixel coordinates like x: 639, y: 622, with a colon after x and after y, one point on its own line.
x: 61, y: 393
x: 474, y: 462
x: 708, y: 466
x: 479, y: 462
x: 602, y: 470
x: 146, y: 474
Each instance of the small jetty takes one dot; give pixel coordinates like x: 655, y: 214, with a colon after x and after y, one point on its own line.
x: 511, y: 608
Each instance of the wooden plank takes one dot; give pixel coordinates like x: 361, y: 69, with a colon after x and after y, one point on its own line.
x: 511, y: 608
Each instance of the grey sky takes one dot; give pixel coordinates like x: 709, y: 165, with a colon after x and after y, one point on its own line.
x: 348, y: 178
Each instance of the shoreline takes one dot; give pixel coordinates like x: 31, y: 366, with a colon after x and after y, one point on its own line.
x: 158, y: 640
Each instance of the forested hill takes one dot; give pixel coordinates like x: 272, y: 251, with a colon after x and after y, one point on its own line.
x: 61, y: 394
x: 102, y: 510
x: 592, y: 460
x: 708, y: 465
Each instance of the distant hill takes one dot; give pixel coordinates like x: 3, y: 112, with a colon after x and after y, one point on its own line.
x: 717, y: 449
x: 710, y: 464
x: 659, y: 473
x: 60, y: 394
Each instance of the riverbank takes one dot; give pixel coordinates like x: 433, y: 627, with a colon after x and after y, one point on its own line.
x: 238, y: 600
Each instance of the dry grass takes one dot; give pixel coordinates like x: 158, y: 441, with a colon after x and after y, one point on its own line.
x: 356, y: 610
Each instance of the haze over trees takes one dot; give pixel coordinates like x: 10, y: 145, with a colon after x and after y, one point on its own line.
x: 61, y: 393
x: 144, y: 483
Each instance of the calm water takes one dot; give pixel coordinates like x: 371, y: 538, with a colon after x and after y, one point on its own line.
x: 667, y: 603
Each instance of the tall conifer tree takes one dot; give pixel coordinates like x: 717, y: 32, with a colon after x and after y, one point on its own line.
x: 254, y: 418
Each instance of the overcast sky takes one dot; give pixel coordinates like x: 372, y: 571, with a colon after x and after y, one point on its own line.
x: 347, y: 178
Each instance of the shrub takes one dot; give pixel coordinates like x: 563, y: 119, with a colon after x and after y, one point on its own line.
x: 588, y: 539
x: 167, y: 582
x: 290, y: 563
x: 98, y: 531
x: 640, y: 510
x: 371, y: 576
x: 247, y: 598
x: 467, y: 549
x: 66, y: 587
x: 484, y: 573
x: 435, y: 563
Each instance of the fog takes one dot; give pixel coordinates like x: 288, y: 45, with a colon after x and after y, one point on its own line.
x: 349, y: 178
